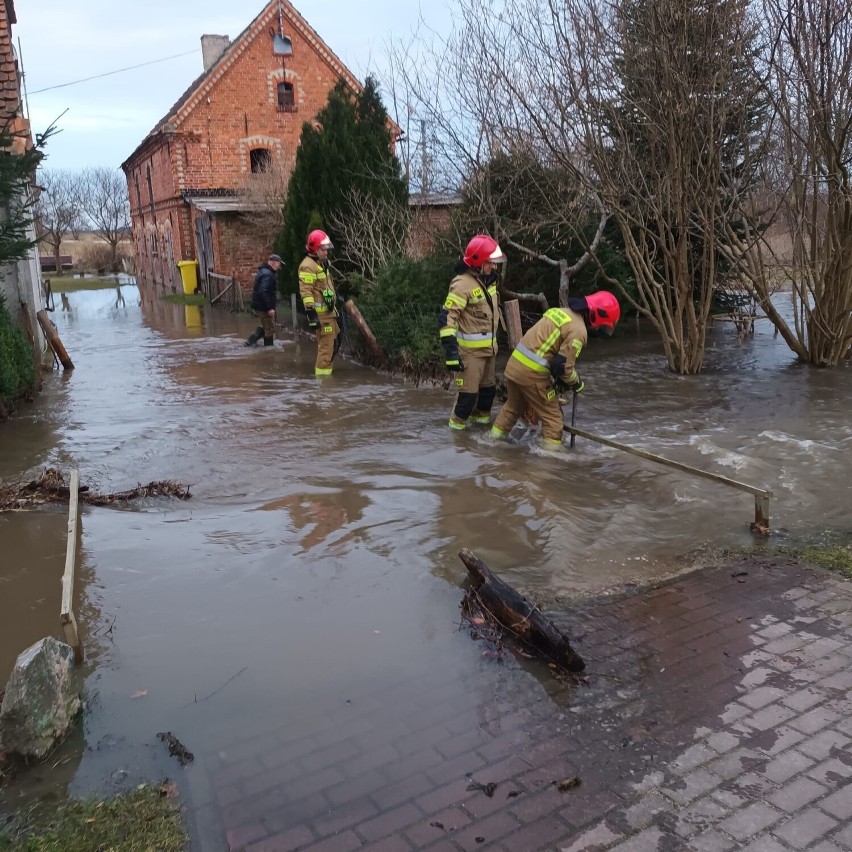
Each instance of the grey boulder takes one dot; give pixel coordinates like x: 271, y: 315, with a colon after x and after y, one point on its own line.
x: 41, y: 699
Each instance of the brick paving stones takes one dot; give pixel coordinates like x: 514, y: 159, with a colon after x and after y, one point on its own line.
x: 715, y: 715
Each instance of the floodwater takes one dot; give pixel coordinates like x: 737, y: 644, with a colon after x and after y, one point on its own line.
x: 317, y: 559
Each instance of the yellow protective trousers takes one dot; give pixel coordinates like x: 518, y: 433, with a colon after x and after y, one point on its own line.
x: 326, y: 335
x: 530, y: 390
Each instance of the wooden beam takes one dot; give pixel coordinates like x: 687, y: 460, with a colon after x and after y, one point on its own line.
x: 53, y: 340
x: 352, y: 309
x: 66, y: 615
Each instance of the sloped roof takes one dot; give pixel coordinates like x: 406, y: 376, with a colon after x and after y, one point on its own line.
x: 206, y: 80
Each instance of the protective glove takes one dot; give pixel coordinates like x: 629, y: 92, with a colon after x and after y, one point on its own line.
x: 451, y: 355
x: 313, y: 319
x: 569, y: 387
x: 557, y: 366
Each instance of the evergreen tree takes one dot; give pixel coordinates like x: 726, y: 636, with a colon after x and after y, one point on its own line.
x: 348, y: 148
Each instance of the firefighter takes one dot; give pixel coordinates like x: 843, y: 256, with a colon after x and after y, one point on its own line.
x: 264, y: 295
x: 542, y: 364
x: 468, y: 321
x: 319, y: 298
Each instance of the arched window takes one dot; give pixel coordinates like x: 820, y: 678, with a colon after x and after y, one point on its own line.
x: 286, y: 97
x: 260, y: 159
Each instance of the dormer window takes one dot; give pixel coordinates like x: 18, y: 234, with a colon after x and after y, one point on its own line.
x: 260, y: 160
x: 286, y: 97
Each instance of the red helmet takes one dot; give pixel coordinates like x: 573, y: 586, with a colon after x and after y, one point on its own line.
x: 604, y: 311
x: 482, y: 249
x: 318, y: 240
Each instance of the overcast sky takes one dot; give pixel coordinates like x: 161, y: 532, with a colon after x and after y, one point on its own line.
x: 107, y: 118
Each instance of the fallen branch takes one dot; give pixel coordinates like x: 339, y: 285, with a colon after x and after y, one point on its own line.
x: 51, y: 487
x: 517, y: 615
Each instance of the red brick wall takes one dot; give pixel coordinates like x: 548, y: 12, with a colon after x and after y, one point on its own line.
x: 240, y: 111
x: 9, y: 93
x: 238, y: 245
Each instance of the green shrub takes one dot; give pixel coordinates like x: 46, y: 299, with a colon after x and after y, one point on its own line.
x: 402, y: 305
x: 17, y: 373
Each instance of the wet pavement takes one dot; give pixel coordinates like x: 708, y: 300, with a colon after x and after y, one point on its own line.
x: 295, y: 623
x: 716, y: 715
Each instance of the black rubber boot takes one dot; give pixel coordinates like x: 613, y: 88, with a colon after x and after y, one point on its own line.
x: 255, y: 336
x: 267, y: 341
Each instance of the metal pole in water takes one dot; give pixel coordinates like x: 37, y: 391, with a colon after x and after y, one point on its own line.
x: 573, y: 417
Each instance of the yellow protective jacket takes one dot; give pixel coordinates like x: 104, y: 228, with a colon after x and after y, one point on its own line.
x: 316, y: 288
x: 471, y: 314
x: 559, y: 332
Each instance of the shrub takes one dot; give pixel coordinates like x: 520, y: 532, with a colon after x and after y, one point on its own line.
x: 401, y: 307
x: 17, y: 374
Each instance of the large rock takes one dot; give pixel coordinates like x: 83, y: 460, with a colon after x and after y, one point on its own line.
x: 41, y: 699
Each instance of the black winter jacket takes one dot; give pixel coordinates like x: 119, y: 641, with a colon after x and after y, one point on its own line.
x: 264, y: 294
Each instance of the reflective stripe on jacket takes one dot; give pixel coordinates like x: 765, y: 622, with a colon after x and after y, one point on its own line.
x: 559, y: 332
x: 471, y: 314
x: 316, y: 288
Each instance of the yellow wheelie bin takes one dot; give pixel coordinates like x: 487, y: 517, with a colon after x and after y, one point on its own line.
x: 189, y: 275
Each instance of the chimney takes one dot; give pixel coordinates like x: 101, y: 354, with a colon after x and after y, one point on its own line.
x: 212, y: 47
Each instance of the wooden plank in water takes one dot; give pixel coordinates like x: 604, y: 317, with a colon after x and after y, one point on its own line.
x: 66, y: 615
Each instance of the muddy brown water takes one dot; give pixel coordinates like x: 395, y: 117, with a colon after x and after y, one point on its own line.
x: 317, y: 560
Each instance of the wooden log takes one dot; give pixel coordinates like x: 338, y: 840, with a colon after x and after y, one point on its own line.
x: 53, y: 340
x: 357, y: 317
x: 517, y: 615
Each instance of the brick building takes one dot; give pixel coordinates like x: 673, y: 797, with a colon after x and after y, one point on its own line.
x: 189, y: 180
x: 20, y: 283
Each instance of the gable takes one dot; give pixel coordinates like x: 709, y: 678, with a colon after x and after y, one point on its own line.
x: 259, y: 28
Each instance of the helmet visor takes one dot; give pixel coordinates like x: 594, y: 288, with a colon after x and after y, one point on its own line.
x: 497, y: 256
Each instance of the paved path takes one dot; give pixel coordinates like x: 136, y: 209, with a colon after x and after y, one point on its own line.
x: 717, y: 715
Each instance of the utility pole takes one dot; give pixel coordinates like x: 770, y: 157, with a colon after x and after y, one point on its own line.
x: 424, y: 160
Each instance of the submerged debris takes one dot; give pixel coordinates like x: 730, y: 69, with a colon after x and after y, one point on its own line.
x: 176, y: 747
x: 51, y: 487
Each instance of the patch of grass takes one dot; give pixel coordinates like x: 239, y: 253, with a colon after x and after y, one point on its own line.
x: 184, y: 299
x: 146, y: 819
x: 72, y: 285
x: 834, y: 557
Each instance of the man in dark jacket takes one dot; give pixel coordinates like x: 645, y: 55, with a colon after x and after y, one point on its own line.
x: 264, y: 295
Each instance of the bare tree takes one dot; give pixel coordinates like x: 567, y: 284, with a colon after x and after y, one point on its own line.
x: 374, y: 231
x: 58, y: 210
x: 810, y: 83
x: 648, y: 105
x: 107, y: 206
x: 262, y: 196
